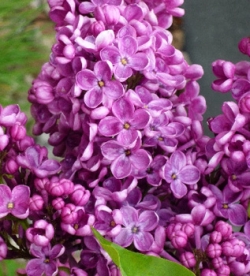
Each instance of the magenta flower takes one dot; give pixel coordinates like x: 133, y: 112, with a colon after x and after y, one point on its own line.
x: 244, y: 46
x: 41, y: 233
x: 45, y: 261
x: 178, y: 173
x: 137, y: 228
x: 126, y: 123
x: 125, y: 159
x: 15, y: 202
x: 224, y: 70
x: 98, y: 83
x: 125, y: 58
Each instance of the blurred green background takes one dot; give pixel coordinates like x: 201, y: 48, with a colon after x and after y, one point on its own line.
x: 26, y: 37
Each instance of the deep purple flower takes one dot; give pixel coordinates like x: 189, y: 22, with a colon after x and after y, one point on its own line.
x: 125, y: 58
x: 98, y: 83
x: 45, y: 261
x: 178, y: 173
x: 126, y: 123
x: 92, y: 257
x: 15, y: 202
x: 125, y: 159
x: 228, y: 207
x: 136, y: 228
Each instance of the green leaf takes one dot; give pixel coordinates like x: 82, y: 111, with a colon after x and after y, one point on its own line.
x: 137, y: 264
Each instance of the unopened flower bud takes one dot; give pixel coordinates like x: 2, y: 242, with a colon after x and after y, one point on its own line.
x: 188, y: 259
x: 213, y: 250
x: 58, y: 203
x: 36, y: 203
x: 224, y: 228
x: 215, y: 237
x: 179, y: 239
x: 3, y: 249
x: 244, y: 46
x: 80, y: 195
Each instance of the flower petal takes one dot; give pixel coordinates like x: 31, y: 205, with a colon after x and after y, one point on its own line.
x: 237, y: 214
x: 124, y: 238
x: 140, y: 159
x: 93, y: 97
x: 148, y: 220
x: 178, y: 188
x: 143, y: 241
x: 5, y: 198
x: 86, y: 79
x: 123, y: 110
x: 110, y: 126
x: 111, y: 150
x: 121, y: 167
x: 189, y: 175
x: 21, y: 199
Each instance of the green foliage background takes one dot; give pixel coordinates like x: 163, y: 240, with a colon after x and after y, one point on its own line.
x: 26, y: 36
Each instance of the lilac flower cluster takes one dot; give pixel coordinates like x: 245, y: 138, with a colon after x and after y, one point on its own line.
x: 123, y: 112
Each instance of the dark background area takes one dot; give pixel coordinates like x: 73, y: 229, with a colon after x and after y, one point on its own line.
x: 213, y: 29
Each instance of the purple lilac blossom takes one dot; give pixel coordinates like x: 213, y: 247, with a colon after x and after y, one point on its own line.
x: 15, y: 202
x: 136, y: 228
x: 178, y: 173
x: 45, y: 261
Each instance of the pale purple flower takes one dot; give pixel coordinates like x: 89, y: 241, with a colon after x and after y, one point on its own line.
x: 228, y: 207
x: 98, y: 83
x: 178, y: 173
x: 45, y: 261
x: 125, y: 159
x: 136, y: 228
x: 126, y: 123
x: 15, y: 202
x: 125, y: 58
